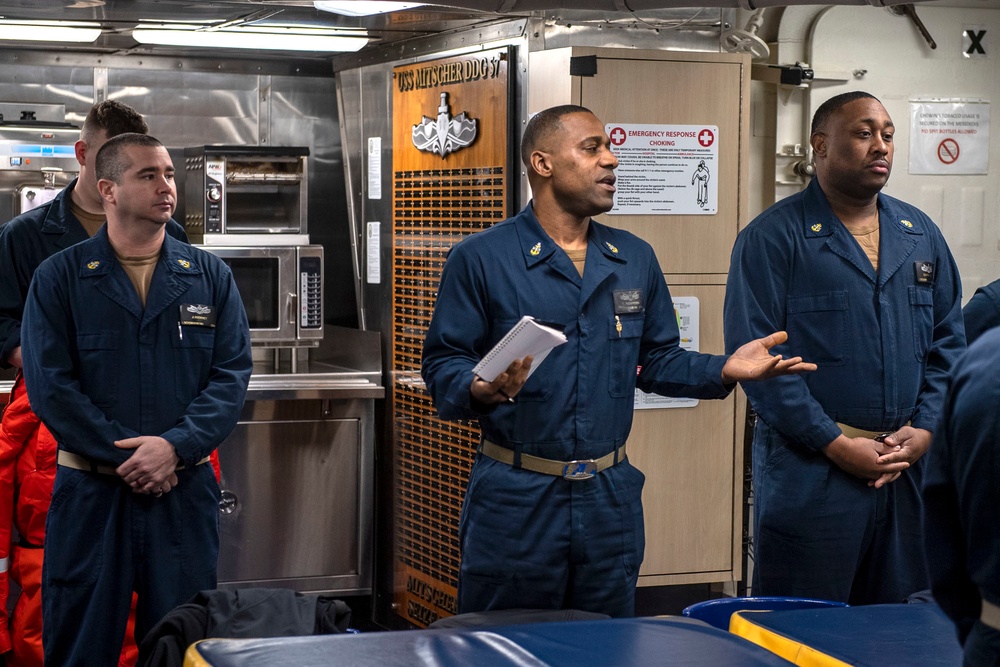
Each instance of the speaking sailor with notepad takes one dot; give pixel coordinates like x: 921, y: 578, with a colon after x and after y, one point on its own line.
x: 553, y: 516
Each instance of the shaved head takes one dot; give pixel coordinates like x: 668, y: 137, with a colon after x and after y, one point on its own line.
x: 542, y: 126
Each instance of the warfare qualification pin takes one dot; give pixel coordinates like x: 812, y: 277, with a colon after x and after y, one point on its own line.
x: 923, y: 273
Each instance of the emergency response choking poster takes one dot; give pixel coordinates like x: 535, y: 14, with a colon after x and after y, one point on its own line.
x: 949, y: 137
x: 665, y: 169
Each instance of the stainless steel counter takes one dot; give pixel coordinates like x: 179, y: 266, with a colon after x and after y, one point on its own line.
x: 313, y: 380
x: 347, y: 364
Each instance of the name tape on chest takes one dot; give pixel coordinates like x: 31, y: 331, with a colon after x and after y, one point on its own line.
x: 628, y: 301
x: 197, y: 315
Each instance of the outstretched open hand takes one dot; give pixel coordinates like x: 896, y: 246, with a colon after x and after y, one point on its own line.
x: 754, y: 361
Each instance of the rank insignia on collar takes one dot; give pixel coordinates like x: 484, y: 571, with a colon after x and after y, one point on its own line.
x: 536, y: 249
x: 184, y: 263
x: 611, y: 247
x: 817, y: 227
x: 93, y: 265
x: 906, y: 223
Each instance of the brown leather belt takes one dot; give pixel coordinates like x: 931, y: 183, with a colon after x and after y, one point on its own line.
x: 77, y: 462
x: 990, y: 615
x: 571, y: 470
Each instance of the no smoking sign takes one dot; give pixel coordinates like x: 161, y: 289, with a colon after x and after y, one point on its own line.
x: 948, y: 151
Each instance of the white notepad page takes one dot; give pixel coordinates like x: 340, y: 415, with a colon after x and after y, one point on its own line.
x: 527, y: 337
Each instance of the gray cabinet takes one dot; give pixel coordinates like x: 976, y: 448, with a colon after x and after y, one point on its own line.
x: 297, y: 496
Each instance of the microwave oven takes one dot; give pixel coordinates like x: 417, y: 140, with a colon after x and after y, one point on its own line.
x: 246, y: 195
x: 282, y: 291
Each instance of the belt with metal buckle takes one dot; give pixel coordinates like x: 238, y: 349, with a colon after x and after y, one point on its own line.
x: 571, y: 470
x: 77, y: 462
x: 990, y: 614
x: 852, y: 432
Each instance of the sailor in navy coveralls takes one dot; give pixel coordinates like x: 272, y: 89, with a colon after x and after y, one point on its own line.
x: 137, y: 358
x: 866, y: 287
x: 553, y: 516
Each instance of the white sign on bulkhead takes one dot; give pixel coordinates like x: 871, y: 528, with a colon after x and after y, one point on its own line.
x: 665, y: 169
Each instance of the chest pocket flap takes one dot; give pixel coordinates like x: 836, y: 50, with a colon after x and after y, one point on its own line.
x: 97, y: 340
x: 817, y: 323
x: 100, y: 362
x: 631, y: 326
x: 810, y: 303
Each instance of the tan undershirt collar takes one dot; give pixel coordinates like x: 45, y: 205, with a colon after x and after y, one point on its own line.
x: 91, y: 221
x: 140, y: 271
x: 869, y: 242
x: 579, y: 258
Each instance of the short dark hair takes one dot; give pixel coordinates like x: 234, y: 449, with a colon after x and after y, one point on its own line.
x: 829, y: 107
x: 114, y: 118
x: 541, y: 126
x: 111, y: 162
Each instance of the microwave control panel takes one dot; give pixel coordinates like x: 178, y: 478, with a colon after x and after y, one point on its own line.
x: 310, y: 292
x: 215, y: 176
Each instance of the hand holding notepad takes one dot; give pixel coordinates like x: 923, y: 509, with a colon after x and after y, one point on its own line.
x: 528, y: 337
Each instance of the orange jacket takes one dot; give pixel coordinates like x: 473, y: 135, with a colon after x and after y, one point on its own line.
x: 27, y: 471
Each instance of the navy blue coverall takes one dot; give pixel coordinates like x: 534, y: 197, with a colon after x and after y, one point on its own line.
x: 982, y: 312
x: 99, y: 368
x: 531, y: 540
x: 962, y: 499
x: 884, y: 343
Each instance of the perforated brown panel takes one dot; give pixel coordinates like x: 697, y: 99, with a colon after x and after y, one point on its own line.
x: 437, y: 201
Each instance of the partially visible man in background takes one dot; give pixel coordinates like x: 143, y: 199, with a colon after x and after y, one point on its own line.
x: 982, y: 312
x: 962, y: 503
x: 27, y: 449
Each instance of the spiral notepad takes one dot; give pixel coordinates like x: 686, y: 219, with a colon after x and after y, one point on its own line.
x: 527, y: 337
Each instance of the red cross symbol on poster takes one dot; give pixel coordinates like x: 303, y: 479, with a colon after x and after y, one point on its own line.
x: 706, y: 137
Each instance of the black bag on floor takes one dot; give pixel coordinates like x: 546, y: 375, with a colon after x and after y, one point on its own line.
x: 241, y: 614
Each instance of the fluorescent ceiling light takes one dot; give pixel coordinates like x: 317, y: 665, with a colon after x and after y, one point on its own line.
x: 49, y: 31
x: 362, y: 7
x: 273, y: 38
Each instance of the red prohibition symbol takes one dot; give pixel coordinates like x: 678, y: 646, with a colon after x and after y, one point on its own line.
x: 948, y: 151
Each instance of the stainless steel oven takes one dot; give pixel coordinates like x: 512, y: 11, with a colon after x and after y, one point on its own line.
x: 246, y: 195
x: 37, y: 155
x: 282, y: 291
